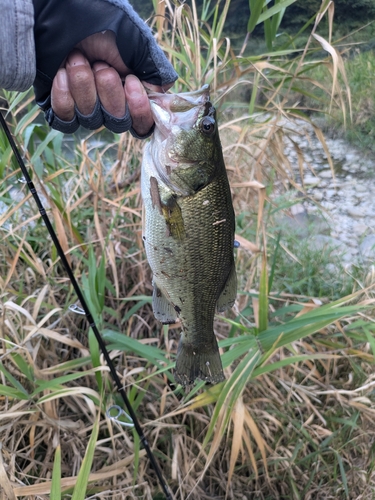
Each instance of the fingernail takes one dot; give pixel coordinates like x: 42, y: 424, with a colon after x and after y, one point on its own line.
x: 133, y: 85
x: 99, y: 65
x: 134, y: 79
x: 76, y: 58
x: 62, y: 79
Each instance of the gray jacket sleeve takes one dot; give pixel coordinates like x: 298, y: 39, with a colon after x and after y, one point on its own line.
x: 17, y: 47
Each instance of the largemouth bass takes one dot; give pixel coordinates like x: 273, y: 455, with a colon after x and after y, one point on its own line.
x: 189, y: 228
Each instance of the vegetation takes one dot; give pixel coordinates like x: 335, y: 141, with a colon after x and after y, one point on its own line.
x: 294, y: 418
x: 359, y: 130
x: 349, y: 14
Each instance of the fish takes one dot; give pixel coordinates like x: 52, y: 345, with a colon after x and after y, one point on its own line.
x: 188, y: 228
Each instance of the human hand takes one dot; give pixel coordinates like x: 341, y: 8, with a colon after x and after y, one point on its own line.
x: 94, y: 60
x: 95, y: 70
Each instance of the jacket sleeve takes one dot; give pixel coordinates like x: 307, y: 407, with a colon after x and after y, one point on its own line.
x: 17, y: 47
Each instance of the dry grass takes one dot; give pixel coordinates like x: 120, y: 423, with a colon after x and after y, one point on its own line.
x: 294, y: 429
x: 292, y: 422
x: 308, y: 418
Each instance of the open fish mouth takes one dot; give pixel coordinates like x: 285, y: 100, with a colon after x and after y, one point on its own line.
x: 177, y: 110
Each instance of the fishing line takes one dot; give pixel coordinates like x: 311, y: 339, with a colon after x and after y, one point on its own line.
x: 86, y: 310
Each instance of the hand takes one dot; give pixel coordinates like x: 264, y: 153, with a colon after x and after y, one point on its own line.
x: 101, y: 79
x: 95, y: 69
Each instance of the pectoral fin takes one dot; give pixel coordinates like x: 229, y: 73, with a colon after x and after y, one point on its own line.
x: 163, y: 309
x: 173, y: 218
x: 229, y: 293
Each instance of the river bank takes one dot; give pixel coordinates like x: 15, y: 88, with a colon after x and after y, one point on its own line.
x: 338, y: 210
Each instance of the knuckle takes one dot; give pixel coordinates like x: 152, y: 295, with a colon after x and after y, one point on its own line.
x: 108, y: 78
x: 80, y: 76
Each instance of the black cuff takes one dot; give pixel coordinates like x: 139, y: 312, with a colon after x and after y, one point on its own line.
x: 117, y: 125
x: 61, y: 125
x: 137, y: 136
x: 92, y: 121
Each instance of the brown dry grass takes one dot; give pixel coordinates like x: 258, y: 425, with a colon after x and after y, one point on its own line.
x: 303, y: 430
x: 288, y: 427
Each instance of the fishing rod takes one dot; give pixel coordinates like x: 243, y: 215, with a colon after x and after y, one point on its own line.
x: 86, y: 310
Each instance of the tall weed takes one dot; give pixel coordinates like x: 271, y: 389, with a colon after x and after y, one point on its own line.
x: 295, y: 411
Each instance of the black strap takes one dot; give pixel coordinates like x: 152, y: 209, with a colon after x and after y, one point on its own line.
x: 85, y: 307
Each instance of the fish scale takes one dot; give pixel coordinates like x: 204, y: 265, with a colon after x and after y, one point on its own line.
x: 188, y: 231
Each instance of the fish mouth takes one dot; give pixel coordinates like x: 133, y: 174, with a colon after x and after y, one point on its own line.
x: 181, y: 110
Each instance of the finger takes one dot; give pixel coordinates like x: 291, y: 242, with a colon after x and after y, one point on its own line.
x: 139, y: 105
x: 102, y: 47
x: 81, y: 82
x: 62, y: 101
x: 157, y: 88
x: 110, y: 89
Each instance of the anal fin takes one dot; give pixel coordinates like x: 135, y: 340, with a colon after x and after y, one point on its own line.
x: 228, y: 295
x: 163, y: 309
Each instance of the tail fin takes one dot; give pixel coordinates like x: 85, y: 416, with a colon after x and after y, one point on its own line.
x: 198, y: 362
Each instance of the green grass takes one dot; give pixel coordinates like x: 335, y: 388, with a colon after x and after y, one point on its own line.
x: 359, y: 130
x: 293, y: 418
x: 360, y: 70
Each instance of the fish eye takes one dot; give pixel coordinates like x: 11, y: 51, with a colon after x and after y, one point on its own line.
x: 208, y: 125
